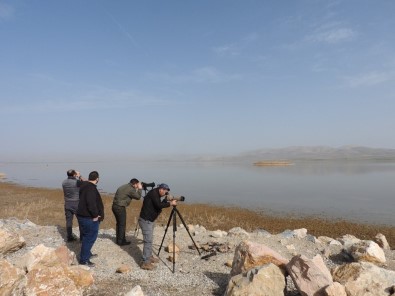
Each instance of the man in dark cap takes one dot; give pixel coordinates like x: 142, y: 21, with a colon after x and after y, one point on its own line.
x: 152, y: 207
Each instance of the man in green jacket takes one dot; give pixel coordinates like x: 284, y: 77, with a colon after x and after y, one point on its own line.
x: 122, y: 198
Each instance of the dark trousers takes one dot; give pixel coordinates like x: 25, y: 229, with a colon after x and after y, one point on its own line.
x: 89, y: 232
x: 120, y: 216
x: 70, y: 209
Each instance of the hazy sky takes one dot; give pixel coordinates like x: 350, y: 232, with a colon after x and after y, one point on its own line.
x: 124, y: 78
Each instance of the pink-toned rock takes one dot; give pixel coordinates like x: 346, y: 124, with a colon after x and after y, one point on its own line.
x: 12, y: 279
x: 10, y: 241
x: 250, y: 254
x: 310, y: 276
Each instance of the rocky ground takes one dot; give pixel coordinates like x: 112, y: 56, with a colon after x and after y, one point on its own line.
x: 192, y: 274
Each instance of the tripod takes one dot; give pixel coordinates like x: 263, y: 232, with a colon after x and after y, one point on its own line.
x: 174, y: 216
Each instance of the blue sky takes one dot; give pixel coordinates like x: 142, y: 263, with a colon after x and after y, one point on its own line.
x: 147, y: 78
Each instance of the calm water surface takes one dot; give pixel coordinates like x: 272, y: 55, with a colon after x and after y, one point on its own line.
x: 361, y: 191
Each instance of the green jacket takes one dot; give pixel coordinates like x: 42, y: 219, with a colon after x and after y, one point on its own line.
x: 125, y: 194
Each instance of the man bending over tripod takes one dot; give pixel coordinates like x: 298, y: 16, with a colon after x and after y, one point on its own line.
x: 152, y: 207
x: 122, y: 198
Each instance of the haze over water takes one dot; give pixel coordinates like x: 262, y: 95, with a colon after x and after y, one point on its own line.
x: 356, y: 190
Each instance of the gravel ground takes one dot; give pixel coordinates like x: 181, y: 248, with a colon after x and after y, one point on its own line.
x: 192, y: 276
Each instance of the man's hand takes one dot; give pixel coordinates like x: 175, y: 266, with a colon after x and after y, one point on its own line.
x: 96, y: 219
x: 173, y: 202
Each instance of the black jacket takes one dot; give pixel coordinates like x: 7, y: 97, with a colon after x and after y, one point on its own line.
x: 152, y: 205
x: 91, y: 204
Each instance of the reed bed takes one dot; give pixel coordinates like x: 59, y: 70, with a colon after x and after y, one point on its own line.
x: 45, y: 206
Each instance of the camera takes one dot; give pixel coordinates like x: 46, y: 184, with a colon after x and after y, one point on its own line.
x: 146, y: 185
x: 170, y: 197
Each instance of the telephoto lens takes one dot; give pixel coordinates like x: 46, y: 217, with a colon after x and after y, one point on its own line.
x: 170, y: 197
x: 145, y: 185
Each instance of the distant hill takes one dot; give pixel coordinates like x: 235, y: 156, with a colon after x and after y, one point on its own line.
x: 310, y: 153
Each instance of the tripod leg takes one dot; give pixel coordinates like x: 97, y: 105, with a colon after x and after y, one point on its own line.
x: 167, y: 226
x: 186, y: 227
x: 174, y: 241
x: 136, y: 229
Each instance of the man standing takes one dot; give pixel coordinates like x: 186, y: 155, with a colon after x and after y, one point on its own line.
x: 71, y: 192
x: 152, y: 207
x: 122, y: 199
x: 90, y: 212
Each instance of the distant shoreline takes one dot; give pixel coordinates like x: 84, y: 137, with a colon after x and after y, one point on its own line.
x: 273, y: 163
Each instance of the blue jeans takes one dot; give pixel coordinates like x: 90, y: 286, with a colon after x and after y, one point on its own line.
x: 89, y: 232
x: 147, y: 228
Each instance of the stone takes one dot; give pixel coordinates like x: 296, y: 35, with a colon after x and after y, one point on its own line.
x: 336, y: 289
x: 218, y: 233
x: 50, y: 281
x: 310, y: 276
x: 364, y: 278
x: 368, y: 251
x: 348, y: 240
x: 262, y: 233
x: 300, y: 233
x: 12, y: 279
x: 266, y: 280
x: 249, y: 254
x: 123, y: 269
x: 136, y: 291
x: 42, y: 256
x: 238, y: 232
x: 381, y: 240
x: 169, y: 248
x: 325, y: 240
x: 10, y: 241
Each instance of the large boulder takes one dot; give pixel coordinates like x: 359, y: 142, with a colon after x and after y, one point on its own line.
x: 250, y: 254
x: 310, y: 276
x: 57, y: 280
x: 10, y: 241
x: 42, y: 256
x: 364, y: 279
x: 266, y: 280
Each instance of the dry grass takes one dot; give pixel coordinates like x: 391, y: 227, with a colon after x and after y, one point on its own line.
x: 45, y: 207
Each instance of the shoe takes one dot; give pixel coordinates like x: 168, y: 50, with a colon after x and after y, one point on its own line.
x: 147, y: 266
x: 94, y: 256
x: 153, y: 259
x: 124, y: 243
x: 88, y: 263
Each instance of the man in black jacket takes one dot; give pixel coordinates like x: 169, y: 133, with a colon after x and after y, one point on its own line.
x: 152, y: 207
x: 89, y: 214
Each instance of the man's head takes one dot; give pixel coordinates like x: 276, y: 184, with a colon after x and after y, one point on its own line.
x: 93, y: 176
x: 71, y: 173
x: 134, y: 182
x: 163, y: 189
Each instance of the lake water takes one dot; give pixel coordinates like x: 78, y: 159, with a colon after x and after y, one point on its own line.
x: 361, y: 191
